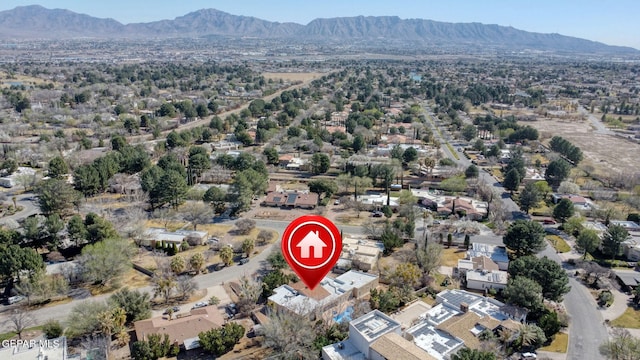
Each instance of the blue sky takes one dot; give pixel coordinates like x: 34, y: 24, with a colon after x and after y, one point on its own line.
x: 611, y: 22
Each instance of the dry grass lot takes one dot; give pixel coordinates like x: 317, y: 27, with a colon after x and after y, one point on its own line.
x: 559, y: 344
x: 603, y: 152
x: 630, y: 319
x: 292, y: 77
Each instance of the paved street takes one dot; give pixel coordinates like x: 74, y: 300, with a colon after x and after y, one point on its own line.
x: 586, y: 330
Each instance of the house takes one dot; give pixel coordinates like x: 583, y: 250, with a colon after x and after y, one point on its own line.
x: 358, y: 253
x: 153, y: 236
x: 472, y: 209
x: 374, y: 336
x: 296, y: 199
x: 181, y: 330
x: 291, y: 162
x: 579, y: 202
x: 332, y: 296
x: 497, y: 254
x: 486, y: 279
x: 12, y: 180
x: 434, y: 334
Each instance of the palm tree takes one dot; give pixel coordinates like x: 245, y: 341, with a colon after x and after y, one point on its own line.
x: 226, y: 255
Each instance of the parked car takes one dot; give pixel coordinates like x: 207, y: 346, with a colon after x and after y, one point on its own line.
x: 549, y: 222
x: 377, y: 214
x: 15, y: 299
x: 337, y: 202
x: 175, y: 310
x: 243, y: 261
x: 200, y: 304
x: 231, y: 309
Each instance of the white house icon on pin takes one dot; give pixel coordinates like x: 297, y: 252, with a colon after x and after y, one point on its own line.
x: 312, y: 240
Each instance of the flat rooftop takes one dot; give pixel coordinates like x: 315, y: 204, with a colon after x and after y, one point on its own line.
x: 435, y: 342
x: 374, y: 324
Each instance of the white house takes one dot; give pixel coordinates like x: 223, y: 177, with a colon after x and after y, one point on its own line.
x: 487, y: 279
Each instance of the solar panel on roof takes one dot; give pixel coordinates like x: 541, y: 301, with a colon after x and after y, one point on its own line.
x: 291, y: 199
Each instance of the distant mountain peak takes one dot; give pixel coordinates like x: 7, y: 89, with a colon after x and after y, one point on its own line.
x: 38, y: 22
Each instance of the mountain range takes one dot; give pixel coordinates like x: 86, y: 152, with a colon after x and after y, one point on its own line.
x: 38, y: 23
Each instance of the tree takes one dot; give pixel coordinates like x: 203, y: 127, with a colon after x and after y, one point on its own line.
x: 574, y: 225
x: 563, y: 210
x: 264, y: 236
x: 524, y: 238
x: 76, y: 229
x: 524, y: 292
x: 20, y: 319
x: 322, y: 187
x: 320, y: 163
x: 469, y: 132
x: 547, y: 273
x: 454, y: 184
x: 196, y: 213
x: 136, y: 304
x: 429, y: 257
x: 272, y: 280
x: 244, y: 226
x: 196, y: 262
x: 52, y: 329
x: 171, y: 188
x: 177, y: 264
x: 83, y: 318
x: 529, y: 197
x: 557, y: 171
x: 473, y: 354
x: 612, y: 240
x: 226, y: 255
x: 390, y: 239
x: 550, y: 324
x: 276, y: 259
x: 471, y: 172
x: 530, y: 337
x: 105, y: 260
x: 217, y: 198
x: 290, y: 335
x: 57, y: 168
x: 543, y: 188
x: 271, y: 154
x: 57, y: 196
x: 185, y: 286
x: 221, y: 341
x: 587, y: 241
x: 99, y: 228
x: 248, y: 245
x: 163, y: 284
x: 512, y: 180
x: 405, y: 274
x: 621, y: 346
x: 567, y: 187
x: 410, y: 155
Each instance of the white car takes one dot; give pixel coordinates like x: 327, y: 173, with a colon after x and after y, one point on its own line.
x: 200, y: 304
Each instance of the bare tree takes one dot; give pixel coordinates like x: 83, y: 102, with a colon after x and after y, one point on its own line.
x: 196, y: 213
x: 290, y: 336
x: 244, y: 226
x: 249, y: 293
x: 264, y: 236
x: 429, y: 256
x: 185, y: 286
x: 19, y: 320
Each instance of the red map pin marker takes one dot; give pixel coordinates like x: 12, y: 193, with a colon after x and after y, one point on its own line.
x: 311, y: 244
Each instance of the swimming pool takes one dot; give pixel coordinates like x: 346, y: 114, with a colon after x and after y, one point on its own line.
x: 344, y: 316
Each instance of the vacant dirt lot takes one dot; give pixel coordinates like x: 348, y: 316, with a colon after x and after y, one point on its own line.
x: 292, y: 77
x: 603, y: 152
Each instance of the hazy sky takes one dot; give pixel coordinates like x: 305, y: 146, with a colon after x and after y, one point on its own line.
x: 612, y: 22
